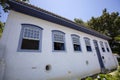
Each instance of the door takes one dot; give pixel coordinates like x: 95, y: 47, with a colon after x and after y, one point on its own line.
x: 99, y: 55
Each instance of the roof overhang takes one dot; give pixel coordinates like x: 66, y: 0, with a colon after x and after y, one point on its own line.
x: 42, y: 14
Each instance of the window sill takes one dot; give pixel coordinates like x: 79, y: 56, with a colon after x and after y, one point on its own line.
x: 28, y: 50
x: 78, y: 51
x: 59, y: 51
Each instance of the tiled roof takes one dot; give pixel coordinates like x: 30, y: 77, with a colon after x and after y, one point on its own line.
x: 32, y: 10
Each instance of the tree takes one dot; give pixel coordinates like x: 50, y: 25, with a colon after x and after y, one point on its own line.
x: 108, y: 24
x: 5, y: 4
x: 81, y: 22
x: 6, y: 7
x: 1, y: 28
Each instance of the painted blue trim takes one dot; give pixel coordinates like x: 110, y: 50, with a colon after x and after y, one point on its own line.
x: 89, y: 42
x: 42, y: 14
x: 32, y: 25
x: 53, y: 31
x: 87, y: 38
x: 102, y: 47
x: 58, y: 31
x: 106, y: 46
x: 78, y: 44
x: 99, y: 56
x: 75, y: 35
x: 21, y: 38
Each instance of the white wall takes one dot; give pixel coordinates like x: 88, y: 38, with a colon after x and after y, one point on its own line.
x: 31, y: 65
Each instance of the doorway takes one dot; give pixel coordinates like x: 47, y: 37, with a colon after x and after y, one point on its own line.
x: 99, y: 55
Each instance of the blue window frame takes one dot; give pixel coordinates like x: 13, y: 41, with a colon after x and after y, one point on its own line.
x: 58, y: 40
x: 88, y: 44
x: 76, y: 42
x: 30, y: 38
x: 107, y: 48
x: 102, y: 46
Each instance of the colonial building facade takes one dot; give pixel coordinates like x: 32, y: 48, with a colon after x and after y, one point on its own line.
x: 40, y: 45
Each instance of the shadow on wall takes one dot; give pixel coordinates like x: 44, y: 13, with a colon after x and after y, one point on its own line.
x: 118, y: 58
x: 2, y: 64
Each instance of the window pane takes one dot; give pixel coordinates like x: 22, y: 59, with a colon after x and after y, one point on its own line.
x: 103, y: 49
x: 108, y: 50
x: 101, y: 43
x: 87, y: 43
x: 30, y: 44
x: 58, y: 40
x: 77, y: 47
x: 95, y: 44
x: 107, y: 47
x: 102, y: 46
x: 76, y: 40
x: 58, y: 37
x: 30, y: 38
x: 59, y: 46
x: 88, y: 48
x: 31, y: 33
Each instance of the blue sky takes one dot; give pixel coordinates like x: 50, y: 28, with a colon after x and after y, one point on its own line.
x: 83, y: 9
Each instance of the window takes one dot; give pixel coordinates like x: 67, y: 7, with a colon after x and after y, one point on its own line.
x: 30, y: 38
x: 107, y: 47
x: 58, y: 40
x: 102, y: 46
x: 76, y: 42
x: 87, y: 43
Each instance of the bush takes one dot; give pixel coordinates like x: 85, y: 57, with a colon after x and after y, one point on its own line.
x: 107, y: 77
x: 117, y: 74
x: 88, y: 78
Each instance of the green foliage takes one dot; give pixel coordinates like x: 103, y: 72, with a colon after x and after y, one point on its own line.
x: 117, y: 38
x: 117, y: 74
x: 108, y: 24
x: 81, y: 22
x: 5, y: 4
x: 89, y: 78
x: 1, y: 28
x: 107, y: 77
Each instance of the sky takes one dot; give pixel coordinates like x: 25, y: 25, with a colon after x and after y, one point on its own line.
x: 70, y: 9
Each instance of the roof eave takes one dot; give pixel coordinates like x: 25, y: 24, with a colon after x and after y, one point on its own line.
x: 29, y: 10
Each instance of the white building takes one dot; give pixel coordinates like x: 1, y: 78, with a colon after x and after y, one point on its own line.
x: 39, y: 45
